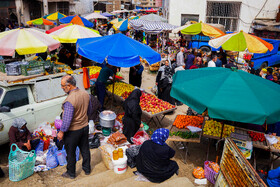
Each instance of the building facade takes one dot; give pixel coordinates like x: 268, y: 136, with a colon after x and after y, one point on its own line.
x: 112, y: 5
x: 235, y: 15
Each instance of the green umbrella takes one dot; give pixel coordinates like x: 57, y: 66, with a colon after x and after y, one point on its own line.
x: 227, y: 94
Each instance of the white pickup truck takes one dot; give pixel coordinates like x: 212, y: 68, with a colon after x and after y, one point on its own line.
x: 37, y: 100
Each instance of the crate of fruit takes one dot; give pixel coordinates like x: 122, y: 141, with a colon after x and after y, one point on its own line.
x: 183, y: 121
x: 215, y: 130
x: 33, y: 68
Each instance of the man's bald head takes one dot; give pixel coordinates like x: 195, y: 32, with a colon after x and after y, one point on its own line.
x: 68, y: 79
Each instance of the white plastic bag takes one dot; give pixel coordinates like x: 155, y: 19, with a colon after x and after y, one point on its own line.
x: 91, y: 127
x: 271, y: 139
x: 194, y: 129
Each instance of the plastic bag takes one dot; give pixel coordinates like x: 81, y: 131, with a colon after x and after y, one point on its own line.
x: 140, y: 137
x: 198, y: 173
x: 61, y: 157
x: 77, y: 153
x: 51, y: 160
x: 106, y: 153
x: 58, y: 123
x: 131, y: 154
x: 91, y: 127
x: 194, y: 129
x: 94, y: 142
x: 39, y: 147
x: 41, y: 158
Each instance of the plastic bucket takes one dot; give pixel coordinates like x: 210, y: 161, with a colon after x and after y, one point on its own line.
x: 120, y: 165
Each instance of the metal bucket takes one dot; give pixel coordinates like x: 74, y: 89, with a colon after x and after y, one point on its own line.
x: 107, y: 119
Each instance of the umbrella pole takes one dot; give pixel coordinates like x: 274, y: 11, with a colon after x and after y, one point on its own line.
x: 113, y: 92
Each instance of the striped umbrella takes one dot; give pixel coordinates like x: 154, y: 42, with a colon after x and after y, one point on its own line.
x: 57, y: 28
x: 152, y: 27
x: 26, y: 41
x: 40, y: 21
x: 124, y: 25
x: 54, y: 16
x: 240, y: 41
x: 202, y: 28
x: 71, y: 33
x: 77, y: 20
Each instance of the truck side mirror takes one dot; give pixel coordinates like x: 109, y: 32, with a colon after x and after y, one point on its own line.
x: 5, y: 109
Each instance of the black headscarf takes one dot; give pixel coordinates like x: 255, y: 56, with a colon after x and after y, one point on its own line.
x: 131, y: 104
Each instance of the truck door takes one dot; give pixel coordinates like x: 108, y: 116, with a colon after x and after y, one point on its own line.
x: 21, y: 105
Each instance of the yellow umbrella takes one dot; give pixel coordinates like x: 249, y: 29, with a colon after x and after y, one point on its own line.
x: 26, y: 41
x: 72, y: 33
x: 116, y: 20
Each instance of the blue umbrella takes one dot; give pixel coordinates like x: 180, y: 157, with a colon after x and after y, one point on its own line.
x: 76, y: 20
x: 119, y: 50
x: 107, y: 14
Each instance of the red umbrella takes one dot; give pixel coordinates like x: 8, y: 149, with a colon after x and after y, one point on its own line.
x: 57, y: 28
x: 151, y: 10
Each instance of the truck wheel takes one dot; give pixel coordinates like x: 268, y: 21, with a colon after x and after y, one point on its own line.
x: 205, y: 49
x: 264, y: 65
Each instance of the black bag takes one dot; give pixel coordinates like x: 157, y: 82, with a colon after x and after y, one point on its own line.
x: 94, y: 142
x: 131, y: 154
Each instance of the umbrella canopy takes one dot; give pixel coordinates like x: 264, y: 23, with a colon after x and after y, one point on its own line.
x: 202, y: 28
x: 54, y: 16
x: 152, y: 27
x: 124, y: 25
x: 116, y: 20
x: 118, y: 49
x: 39, y: 21
x: 58, y: 27
x: 107, y: 14
x: 151, y: 10
x: 227, y: 94
x: 153, y: 17
x: 95, y: 16
x: 26, y: 41
x: 77, y: 20
x: 71, y: 33
x: 241, y: 41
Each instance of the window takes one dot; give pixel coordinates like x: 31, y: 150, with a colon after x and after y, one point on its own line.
x: 63, y: 7
x: 223, y: 13
x: 188, y: 17
x: 16, y: 98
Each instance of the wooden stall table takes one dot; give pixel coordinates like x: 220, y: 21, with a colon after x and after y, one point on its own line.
x: 274, y: 152
x: 184, y: 141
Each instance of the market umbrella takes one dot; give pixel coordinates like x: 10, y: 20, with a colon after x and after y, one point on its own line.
x: 54, y: 16
x: 202, y: 28
x: 116, y: 20
x: 107, y: 14
x: 151, y: 10
x: 77, y: 20
x: 71, y: 33
x: 153, y: 17
x: 118, y: 49
x: 26, y: 41
x: 58, y: 27
x: 124, y: 25
x: 40, y: 21
x: 95, y: 16
x: 240, y: 41
x: 227, y: 94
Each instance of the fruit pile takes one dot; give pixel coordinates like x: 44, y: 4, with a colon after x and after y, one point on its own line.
x: 213, y: 165
x: 185, y: 135
x: 256, y: 136
x: 182, y: 121
x: 119, y: 117
x: 198, y: 173
x: 227, y: 130
x: 277, y: 145
x: 214, y: 128
x: 125, y: 95
x: 94, y: 69
x: 120, y: 88
x: 150, y: 103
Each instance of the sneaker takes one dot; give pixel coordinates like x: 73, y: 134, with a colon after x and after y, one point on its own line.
x: 66, y: 175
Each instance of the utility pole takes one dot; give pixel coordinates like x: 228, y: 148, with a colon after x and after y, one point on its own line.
x: 46, y: 11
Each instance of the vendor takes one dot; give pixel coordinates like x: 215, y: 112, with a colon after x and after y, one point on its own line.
x: 132, y: 115
x: 104, y: 75
x: 153, y: 160
x: 135, y: 75
x: 20, y: 135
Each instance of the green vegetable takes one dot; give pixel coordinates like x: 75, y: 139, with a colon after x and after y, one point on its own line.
x: 185, y: 135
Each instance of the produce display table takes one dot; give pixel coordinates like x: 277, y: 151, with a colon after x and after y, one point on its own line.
x: 184, y: 141
x: 274, y: 152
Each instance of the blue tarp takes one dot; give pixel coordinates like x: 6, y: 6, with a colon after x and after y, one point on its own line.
x: 68, y: 19
x: 120, y: 50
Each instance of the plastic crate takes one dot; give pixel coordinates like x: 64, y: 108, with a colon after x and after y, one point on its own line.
x: 209, y: 173
x: 2, y: 67
x: 33, y: 68
x: 21, y: 163
x: 14, y: 68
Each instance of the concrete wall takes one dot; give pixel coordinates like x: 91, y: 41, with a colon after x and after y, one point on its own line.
x: 248, y: 11
x: 83, y: 7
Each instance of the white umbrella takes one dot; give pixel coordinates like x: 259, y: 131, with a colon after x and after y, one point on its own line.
x: 95, y: 16
x: 153, y: 17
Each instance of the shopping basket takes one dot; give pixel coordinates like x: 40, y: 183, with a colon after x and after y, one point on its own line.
x: 209, y: 173
x: 21, y: 163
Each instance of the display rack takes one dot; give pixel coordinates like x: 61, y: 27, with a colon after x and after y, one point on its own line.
x: 235, y: 169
